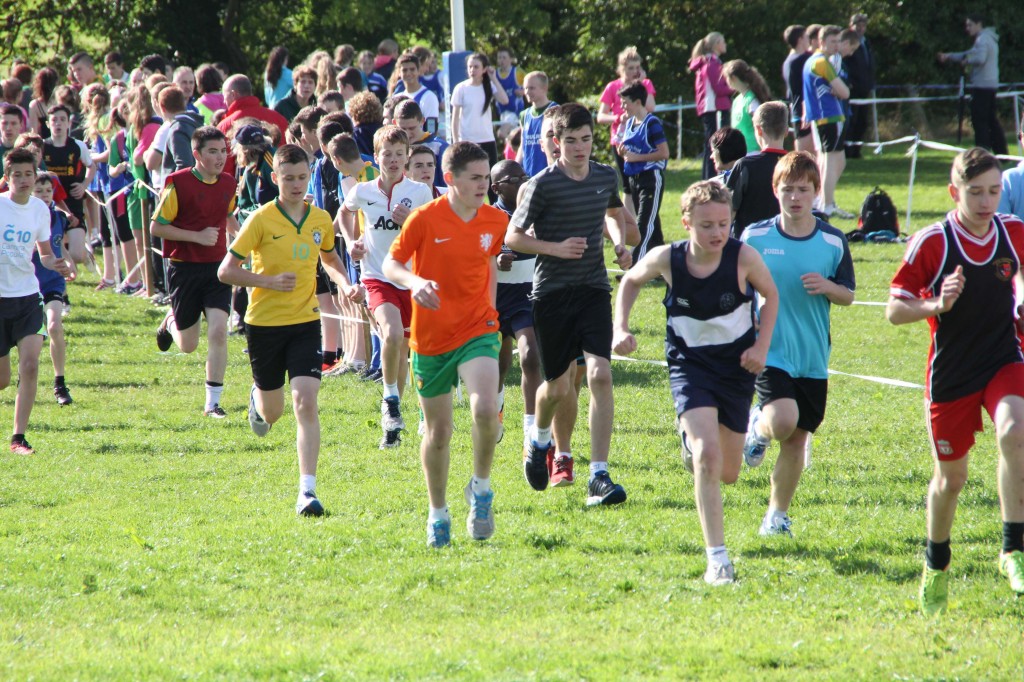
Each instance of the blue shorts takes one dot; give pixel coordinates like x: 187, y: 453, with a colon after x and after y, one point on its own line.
x: 694, y: 387
x: 515, y: 311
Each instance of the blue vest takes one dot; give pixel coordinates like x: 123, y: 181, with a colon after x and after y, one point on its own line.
x: 49, y: 280
x: 515, y: 102
x: 534, y: 160
x: 634, y: 137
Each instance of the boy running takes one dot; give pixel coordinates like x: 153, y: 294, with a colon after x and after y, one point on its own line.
x: 812, y: 268
x: 27, y: 222
x: 194, y: 218
x: 282, y: 321
x: 566, y: 204
x: 531, y: 120
x: 959, y: 275
x: 71, y: 161
x: 385, y: 204
x: 454, y: 328
x: 711, y: 346
x: 52, y: 286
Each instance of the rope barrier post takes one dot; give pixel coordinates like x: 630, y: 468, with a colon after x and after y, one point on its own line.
x: 679, y: 128
x: 874, y: 117
x: 910, y: 187
x: 147, y: 243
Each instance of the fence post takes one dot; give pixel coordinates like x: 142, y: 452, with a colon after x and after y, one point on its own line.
x: 874, y: 116
x: 910, y: 186
x: 679, y: 128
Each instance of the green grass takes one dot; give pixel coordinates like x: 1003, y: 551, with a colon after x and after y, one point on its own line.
x: 145, y: 542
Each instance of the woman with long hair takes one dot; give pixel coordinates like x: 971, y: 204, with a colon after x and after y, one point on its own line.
x: 751, y: 91
x: 471, y: 105
x: 43, y: 85
x: 630, y: 69
x: 277, y: 77
x: 137, y: 111
x: 712, y: 92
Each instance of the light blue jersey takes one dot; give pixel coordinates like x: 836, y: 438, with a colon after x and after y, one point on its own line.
x: 801, y: 342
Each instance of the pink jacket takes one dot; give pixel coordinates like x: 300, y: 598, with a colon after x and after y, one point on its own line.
x: 712, y: 92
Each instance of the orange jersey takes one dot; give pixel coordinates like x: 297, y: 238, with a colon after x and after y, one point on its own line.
x: 459, y: 257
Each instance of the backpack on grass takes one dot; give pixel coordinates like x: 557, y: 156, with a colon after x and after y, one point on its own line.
x: 877, y: 215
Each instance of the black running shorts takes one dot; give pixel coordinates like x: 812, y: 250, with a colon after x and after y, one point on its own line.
x: 292, y: 348
x: 569, y: 322
x: 20, y: 316
x: 811, y: 395
x: 194, y: 287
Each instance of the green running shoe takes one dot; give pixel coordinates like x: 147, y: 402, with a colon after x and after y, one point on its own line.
x: 1012, y: 566
x: 934, y: 591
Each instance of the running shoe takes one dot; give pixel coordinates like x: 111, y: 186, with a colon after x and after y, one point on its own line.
x: 480, y: 522
x: 934, y: 592
x: 308, y: 505
x: 561, y: 472
x: 217, y: 412
x: 256, y: 422
x: 754, y: 445
x: 602, y: 490
x: 779, y: 524
x: 535, y: 464
x: 63, y: 395
x: 67, y: 305
x: 90, y: 263
x: 833, y: 210
x: 439, y: 533
x: 391, y: 414
x: 105, y: 284
x: 164, y: 340
x: 687, y: 453
x: 371, y: 374
x: 21, y: 447
x: 1012, y: 566
x: 129, y: 289
x: 720, y: 574
x: 391, y: 439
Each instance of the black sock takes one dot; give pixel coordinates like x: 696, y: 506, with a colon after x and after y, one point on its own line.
x: 330, y: 357
x: 18, y: 438
x: 213, y: 384
x: 937, y: 555
x: 340, y: 354
x: 1013, y: 537
x: 58, y: 381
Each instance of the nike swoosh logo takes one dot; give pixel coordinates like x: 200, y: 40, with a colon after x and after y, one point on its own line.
x: 278, y: 236
x: 601, y: 191
x: 441, y: 241
x: 370, y: 203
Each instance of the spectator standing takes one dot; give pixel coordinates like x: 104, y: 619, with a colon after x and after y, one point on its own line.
x: 277, y: 77
x: 712, y: 92
x: 983, y: 60
x: 860, y: 67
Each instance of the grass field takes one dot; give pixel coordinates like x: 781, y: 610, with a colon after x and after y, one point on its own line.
x: 143, y: 541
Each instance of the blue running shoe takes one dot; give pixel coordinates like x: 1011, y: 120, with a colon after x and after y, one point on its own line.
x: 754, y: 445
x: 480, y: 522
x: 308, y: 505
x: 439, y: 533
x: 535, y: 464
x: 603, y: 490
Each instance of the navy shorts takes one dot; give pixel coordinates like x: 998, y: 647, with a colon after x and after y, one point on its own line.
x: 693, y: 387
x: 515, y: 311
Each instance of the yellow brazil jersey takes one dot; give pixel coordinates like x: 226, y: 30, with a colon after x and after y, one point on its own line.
x: 277, y: 245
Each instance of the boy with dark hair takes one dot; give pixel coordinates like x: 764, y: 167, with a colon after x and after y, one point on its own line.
x: 71, y: 161
x: 308, y: 119
x: 282, y: 322
x: 960, y: 276
x: 302, y: 94
x: 154, y: 63
x: 113, y: 63
x: 712, y: 347
x: 643, y: 149
x: 385, y: 205
x: 11, y: 125
x: 750, y: 181
x: 194, y: 217
x: 177, y: 154
x: 531, y: 120
x: 350, y: 82
x: 454, y: 329
x: 409, y: 68
x: 565, y: 204
x: 332, y: 101
x: 372, y: 81
x: 81, y: 70
x: 27, y: 222
x: 409, y: 117
x: 52, y: 286
x: 812, y: 268
x: 793, y: 76
x: 515, y: 313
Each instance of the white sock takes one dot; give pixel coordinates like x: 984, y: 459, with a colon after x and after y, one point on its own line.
x: 213, y: 395
x: 596, y: 468
x: 528, y: 420
x: 438, y: 515
x: 391, y: 390
x: 540, y: 436
x: 501, y: 399
x: 307, y: 483
x: 479, y: 486
x: 773, y: 514
x: 565, y: 454
x: 717, y: 555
